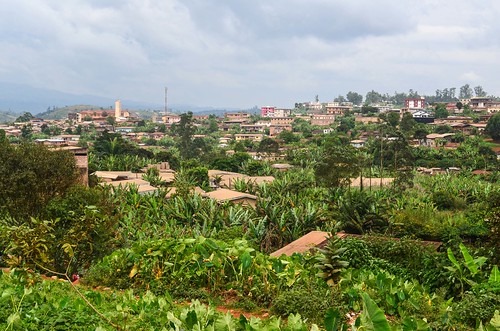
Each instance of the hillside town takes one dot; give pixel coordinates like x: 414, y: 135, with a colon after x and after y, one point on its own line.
x: 301, y: 210
x: 321, y: 117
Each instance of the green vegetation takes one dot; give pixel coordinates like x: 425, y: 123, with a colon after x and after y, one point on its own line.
x: 422, y: 252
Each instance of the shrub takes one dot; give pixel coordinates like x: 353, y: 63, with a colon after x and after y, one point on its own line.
x: 446, y: 200
x: 357, y: 253
x: 475, y: 307
x: 310, y: 302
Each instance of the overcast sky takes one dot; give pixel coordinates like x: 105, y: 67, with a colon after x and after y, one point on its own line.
x: 241, y: 53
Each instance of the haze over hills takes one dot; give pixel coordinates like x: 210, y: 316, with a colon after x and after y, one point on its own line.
x: 19, y: 98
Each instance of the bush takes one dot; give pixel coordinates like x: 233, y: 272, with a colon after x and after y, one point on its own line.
x: 357, y: 253
x: 310, y: 302
x: 475, y: 307
x: 445, y: 200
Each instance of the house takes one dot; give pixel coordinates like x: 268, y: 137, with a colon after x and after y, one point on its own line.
x: 319, y: 239
x: 314, y: 239
x: 70, y: 139
x: 124, y: 129
x: 94, y: 115
x: 371, y: 182
x: 322, y: 119
x: 220, y: 178
x: 276, y: 129
x: 257, y: 180
x: 282, y: 120
x: 338, y: 108
x: 281, y: 166
x: 267, y: 111
x: 252, y: 127
x: 142, y: 186
x: 238, y: 116
x: 434, y: 139
x: 415, y: 103
x: 248, y: 136
x: 111, y: 176
x: 358, y: 143
x: 82, y: 161
x: 367, y: 119
x: 225, y: 195
x: 479, y: 104
x: 170, y: 118
x: 171, y: 191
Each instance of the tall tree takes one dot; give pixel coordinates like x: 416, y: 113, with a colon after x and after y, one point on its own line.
x: 340, y: 98
x: 440, y: 111
x: 407, y: 123
x: 373, y: 97
x: 25, y: 117
x: 493, y: 127
x: 465, y: 92
x: 393, y: 119
x: 354, y: 97
x: 185, y: 130
x: 337, y: 165
x: 479, y: 92
x: 31, y: 176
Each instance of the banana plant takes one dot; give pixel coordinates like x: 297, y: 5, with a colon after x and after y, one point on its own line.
x: 466, y: 272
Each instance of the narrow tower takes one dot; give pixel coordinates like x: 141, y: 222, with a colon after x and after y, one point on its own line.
x: 166, y: 108
x: 118, y: 109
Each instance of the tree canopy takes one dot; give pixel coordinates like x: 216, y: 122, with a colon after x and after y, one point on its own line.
x: 31, y: 176
x: 493, y: 127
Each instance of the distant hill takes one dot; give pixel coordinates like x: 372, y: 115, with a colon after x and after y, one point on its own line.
x: 6, y: 117
x: 62, y: 113
x: 52, y: 104
x: 18, y: 98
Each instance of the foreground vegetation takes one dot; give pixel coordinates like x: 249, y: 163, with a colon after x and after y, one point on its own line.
x: 147, y: 262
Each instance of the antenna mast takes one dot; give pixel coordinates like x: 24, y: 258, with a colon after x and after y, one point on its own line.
x: 166, y: 109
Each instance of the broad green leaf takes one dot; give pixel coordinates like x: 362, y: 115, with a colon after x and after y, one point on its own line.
x: 8, y: 292
x: 246, y: 261
x: 332, y: 319
x: 411, y: 324
x: 373, y: 318
x: 469, y: 260
x: 225, y: 322
x: 191, y: 319
x: 13, y: 318
x: 453, y: 260
x: 494, y: 275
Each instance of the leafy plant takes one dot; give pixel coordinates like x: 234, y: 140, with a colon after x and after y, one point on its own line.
x: 330, y: 261
x: 469, y: 271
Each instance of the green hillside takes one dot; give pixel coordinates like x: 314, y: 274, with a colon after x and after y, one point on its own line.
x: 57, y: 113
x: 6, y: 117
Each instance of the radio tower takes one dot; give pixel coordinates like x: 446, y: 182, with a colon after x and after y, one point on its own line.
x: 166, y: 109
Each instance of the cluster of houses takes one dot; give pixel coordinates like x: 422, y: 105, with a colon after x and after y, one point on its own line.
x: 242, y: 126
x: 222, y: 183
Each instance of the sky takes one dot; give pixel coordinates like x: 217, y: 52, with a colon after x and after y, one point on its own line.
x: 242, y: 53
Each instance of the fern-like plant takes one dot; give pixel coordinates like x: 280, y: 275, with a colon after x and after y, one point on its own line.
x: 330, y: 262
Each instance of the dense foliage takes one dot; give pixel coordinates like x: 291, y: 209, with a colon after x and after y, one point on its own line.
x: 421, y: 253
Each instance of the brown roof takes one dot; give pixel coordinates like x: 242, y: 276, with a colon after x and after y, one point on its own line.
x: 259, y: 179
x: 304, y: 243
x: 319, y: 238
x: 223, y: 194
x: 142, y: 185
x: 172, y: 190
x: 373, y: 182
x: 114, y: 175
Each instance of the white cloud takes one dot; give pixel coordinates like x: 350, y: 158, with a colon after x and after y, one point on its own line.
x: 242, y: 53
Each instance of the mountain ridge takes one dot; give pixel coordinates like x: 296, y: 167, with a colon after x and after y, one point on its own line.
x: 19, y: 98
